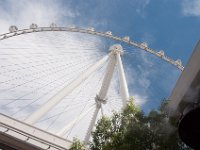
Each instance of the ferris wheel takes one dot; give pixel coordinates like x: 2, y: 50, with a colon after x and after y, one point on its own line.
x: 62, y: 79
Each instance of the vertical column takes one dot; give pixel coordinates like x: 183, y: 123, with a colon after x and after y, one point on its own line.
x: 92, y: 123
x: 107, y: 78
x: 122, y: 79
x: 101, y: 97
x: 116, y: 50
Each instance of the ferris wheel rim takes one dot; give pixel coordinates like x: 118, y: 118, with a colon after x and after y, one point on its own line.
x: 143, y: 46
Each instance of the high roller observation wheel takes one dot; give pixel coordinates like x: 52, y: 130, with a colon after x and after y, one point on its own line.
x: 53, y: 27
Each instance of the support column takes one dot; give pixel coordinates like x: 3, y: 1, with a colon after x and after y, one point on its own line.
x: 92, y: 123
x: 64, y: 92
x: 107, y: 78
x: 122, y: 79
x: 101, y: 97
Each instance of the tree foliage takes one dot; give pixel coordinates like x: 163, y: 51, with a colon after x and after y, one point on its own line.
x: 131, y: 129
x: 77, y: 145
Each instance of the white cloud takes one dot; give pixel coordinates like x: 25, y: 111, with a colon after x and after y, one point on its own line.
x: 22, y: 13
x: 191, y: 7
x: 140, y: 99
x: 140, y: 5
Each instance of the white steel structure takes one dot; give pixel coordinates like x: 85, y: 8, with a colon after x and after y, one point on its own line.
x: 114, y: 63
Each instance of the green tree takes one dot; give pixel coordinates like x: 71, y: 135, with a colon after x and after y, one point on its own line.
x: 77, y: 145
x: 102, y: 134
x: 110, y: 132
x: 131, y: 129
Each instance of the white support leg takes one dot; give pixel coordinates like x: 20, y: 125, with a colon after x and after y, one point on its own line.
x: 101, y: 97
x: 64, y: 92
x: 107, y: 78
x: 92, y: 123
x: 64, y: 130
x: 122, y: 79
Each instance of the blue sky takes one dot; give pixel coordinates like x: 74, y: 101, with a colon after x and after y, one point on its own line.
x: 163, y: 24
x: 170, y: 25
